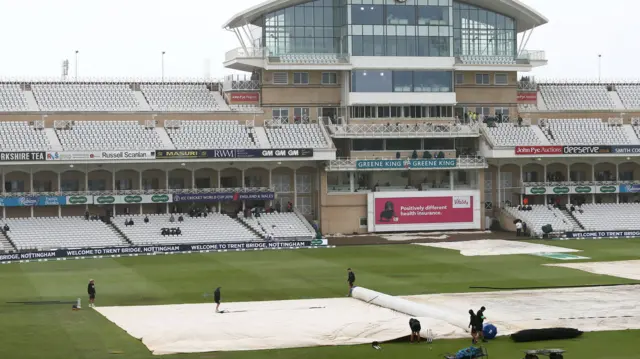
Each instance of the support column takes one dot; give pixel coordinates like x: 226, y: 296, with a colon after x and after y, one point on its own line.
x: 569, y: 179
x: 166, y: 187
x: 295, y: 188
x: 546, y: 199
x: 616, y: 177
x: 4, y: 209
x: 451, y: 180
x: 352, y: 182
x: 59, y: 191
x: 193, y: 179
x: 499, y: 187
x: 219, y: 186
x: 270, y: 185
x: 31, y: 186
x: 521, y: 184
x: 86, y: 186
x: 244, y: 203
x: 593, y: 178
x: 113, y: 189
x: 141, y: 189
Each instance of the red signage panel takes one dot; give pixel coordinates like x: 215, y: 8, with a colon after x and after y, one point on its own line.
x: 539, y: 150
x: 244, y: 97
x: 527, y: 96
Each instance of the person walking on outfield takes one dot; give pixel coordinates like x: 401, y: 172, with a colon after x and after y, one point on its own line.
x: 351, y: 278
x: 216, y: 299
x: 91, y: 290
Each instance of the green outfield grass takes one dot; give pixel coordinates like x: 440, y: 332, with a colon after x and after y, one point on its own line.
x: 54, y: 331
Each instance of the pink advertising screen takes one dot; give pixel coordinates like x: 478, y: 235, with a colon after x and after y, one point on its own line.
x: 423, y: 210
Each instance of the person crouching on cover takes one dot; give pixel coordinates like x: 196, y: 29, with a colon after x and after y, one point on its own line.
x: 475, y: 325
x: 91, y: 290
x: 216, y: 299
x: 351, y: 278
x: 414, y: 324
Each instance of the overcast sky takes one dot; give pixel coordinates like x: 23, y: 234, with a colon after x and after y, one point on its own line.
x: 125, y: 38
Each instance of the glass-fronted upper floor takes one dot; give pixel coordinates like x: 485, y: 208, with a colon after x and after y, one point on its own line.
x: 442, y: 28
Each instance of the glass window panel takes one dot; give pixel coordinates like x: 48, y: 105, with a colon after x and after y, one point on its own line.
x: 402, y: 81
x: 372, y: 81
x: 433, y: 15
x: 392, y: 47
x: 432, y: 81
x: 367, y: 14
x: 308, y: 16
x: 401, y: 15
x: 378, y: 49
x: 423, y: 46
x: 411, y: 46
x: 367, y: 45
x: 357, y: 46
x: 327, y: 16
x: 318, y: 17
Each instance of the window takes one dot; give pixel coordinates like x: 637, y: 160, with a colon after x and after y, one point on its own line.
x: 432, y: 81
x: 368, y: 45
x: 501, y: 79
x: 301, y: 115
x: 329, y: 78
x: 280, y: 113
x: 402, y: 81
x: 502, y: 111
x: 482, y: 79
x: 401, y: 15
x: 371, y: 81
x: 486, y: 111
x: 301, y: 78
x: 363, y: 222
x: 367, y: 15
x: 280, y: 78
x: 459, y: 78
x: 433, y: 15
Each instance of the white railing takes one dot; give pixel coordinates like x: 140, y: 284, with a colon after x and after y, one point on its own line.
x: 576, y: 183
x: 404, y: 130
x: 532, y: 55
x: 141, y: 192
x: 462, y: 162
x: 111, y: 80
x: 250, y: 52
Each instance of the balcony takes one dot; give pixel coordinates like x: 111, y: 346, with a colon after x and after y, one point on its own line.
x: 309, y: 59
x: 245, y: 59
x: 417, y: 130
x: 526, y: 57
x: 462, y: 163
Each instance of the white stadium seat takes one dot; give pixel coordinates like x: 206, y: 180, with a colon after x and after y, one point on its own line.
x: 213, y: 134
x: 310, y: 58
x: 85, y: 97
x: 12, y: 98
x: 629, y: 95
x: 43, y: 233
x: 576, y: 97
x: 109, y: 135
x: 21, y: 136
x: 609, y: 216
x: 296, y: 136
x: 585, y: 131
x: 214, y: 228
x: 183, y: 97
x: 510, y: 135
x: 541, y: 215
x: 279, y: 226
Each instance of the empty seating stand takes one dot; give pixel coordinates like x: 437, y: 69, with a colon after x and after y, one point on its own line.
x: 541, y: 215
x: 85, y: 97
x: 181, y: 98
x: 53, y: 232
x: 109, y: 135
x: 609, y: 216
x: 585, y: 131
x: 491, y: 60
x: 296, y: 136
x: 511, y: 135
x: 279, y: 226
x: 213, y: 134
x: 629, y: 95
x: 214, y: 228
x: 12, y: 98
x: 310, y: 58
x: 576, y: 97
x: 20, y: 136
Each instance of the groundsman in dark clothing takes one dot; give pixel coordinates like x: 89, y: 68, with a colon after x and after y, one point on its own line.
x: 351, y: 278
x: 91, y: 290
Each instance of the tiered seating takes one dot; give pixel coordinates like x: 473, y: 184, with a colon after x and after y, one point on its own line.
x: 510, y: 135
x: 576, y: 97
x: 212, y: 134
x: 488, y: 60
x: 296, y: 136
x: 109, y: 135
x: 211, y: 229
x: 629, y: 95
x: 279, y: 226
x: 609, y: 216
x: 20, y: 136
x: 585, y: 131
x: 12, y: 98
x: 180, y: 97
x: 85, y: 97
x: 527, y: 107
x: 310, y: 58
x: 540, y: 215
x: 67, y: 232
x: 245, y: 108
